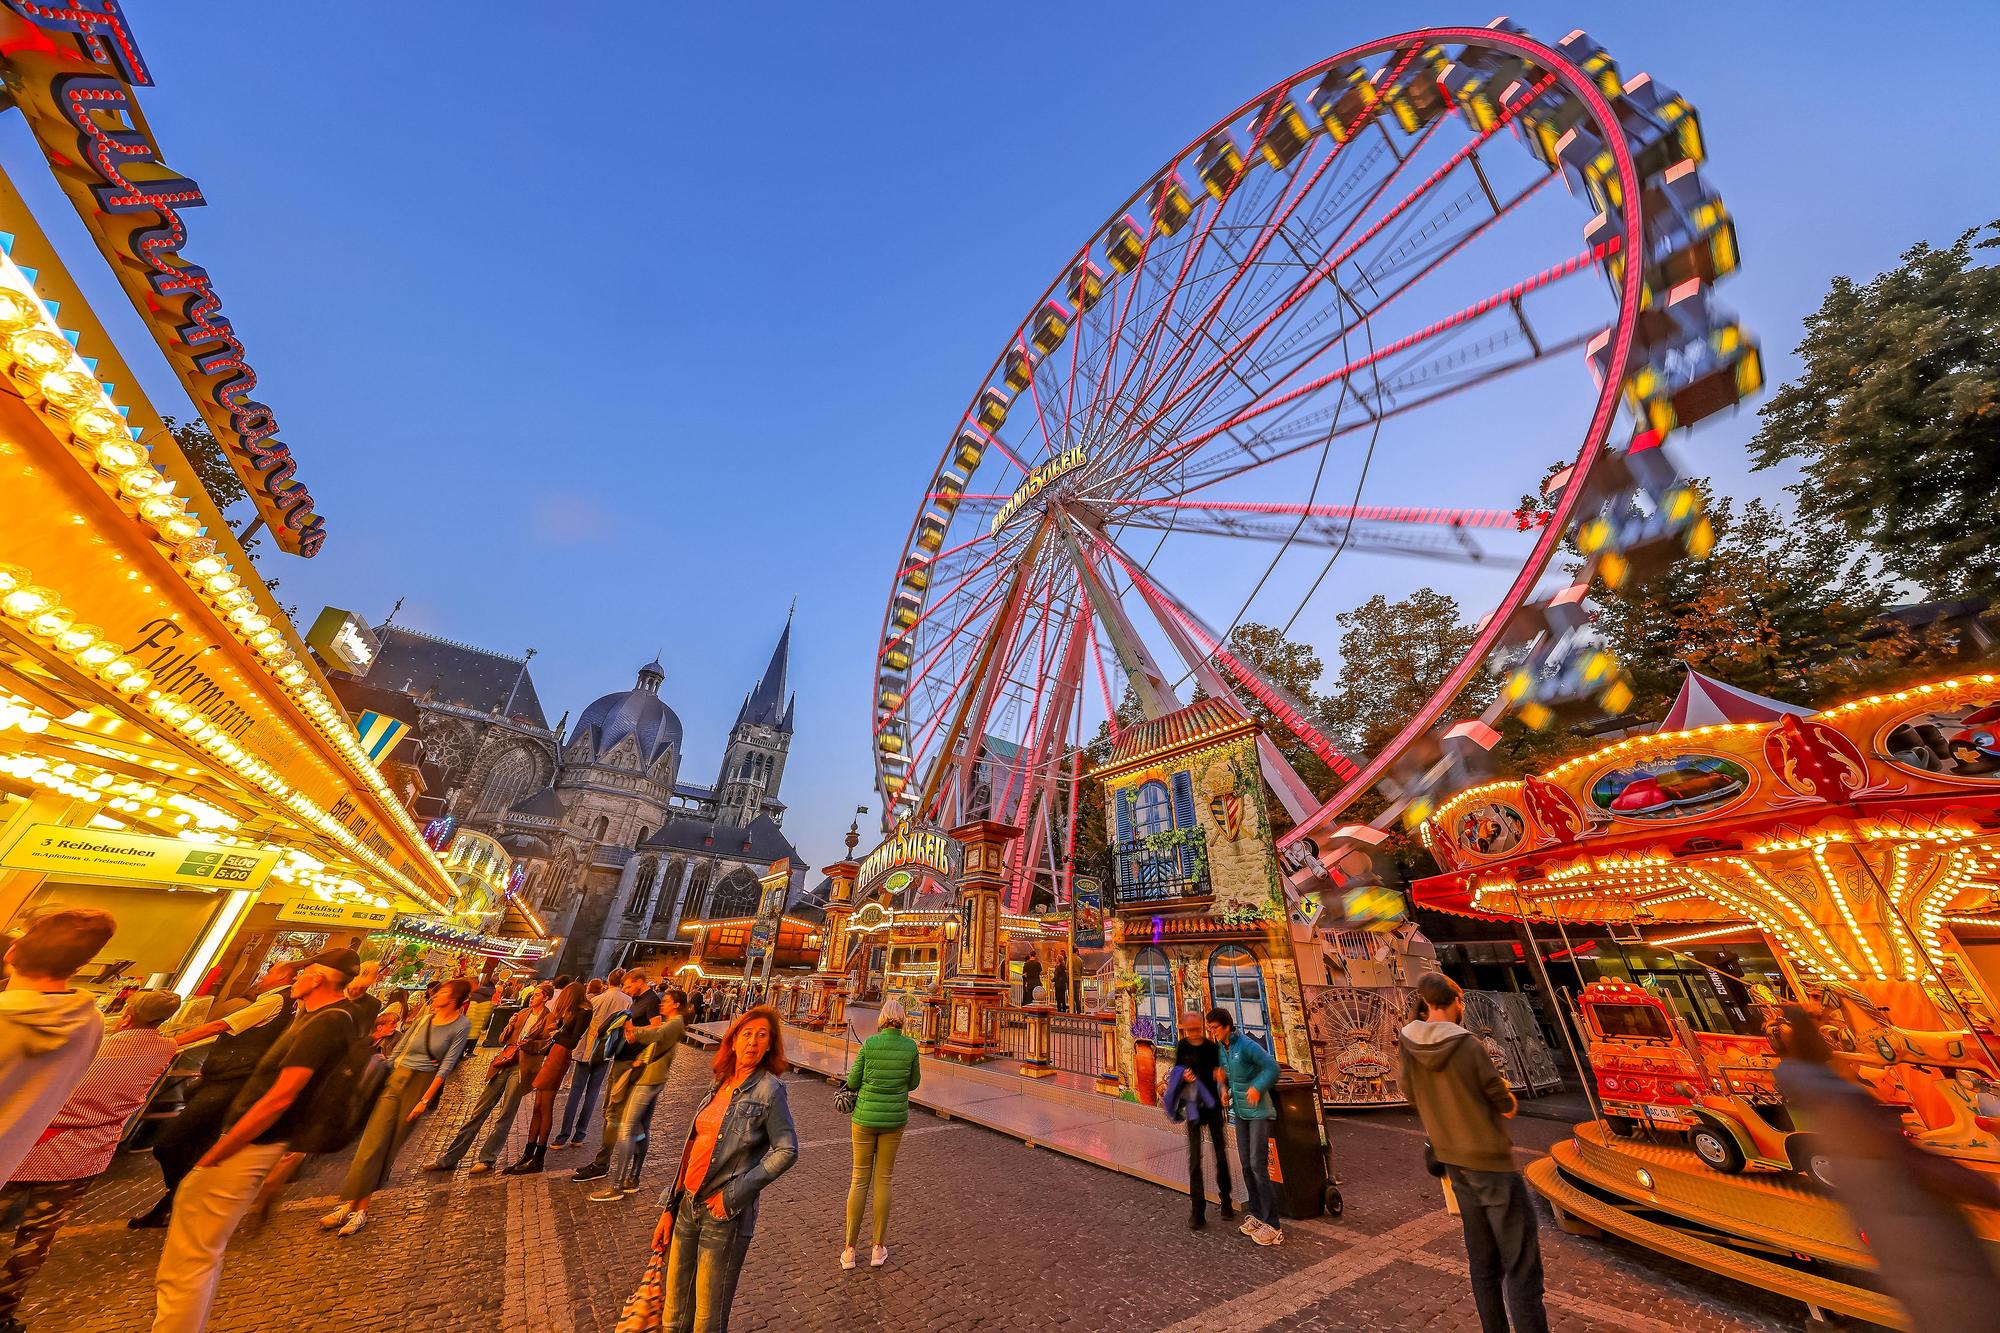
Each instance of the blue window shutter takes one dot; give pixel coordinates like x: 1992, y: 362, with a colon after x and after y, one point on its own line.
x: 1184, y: 815
x: 1183, y: 800
x: 1121, y: 803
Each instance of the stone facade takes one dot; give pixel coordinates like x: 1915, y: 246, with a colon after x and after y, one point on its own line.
x: 1198, y: 912
x: 618, y: 849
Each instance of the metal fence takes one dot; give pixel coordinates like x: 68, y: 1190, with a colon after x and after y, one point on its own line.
x: 1076, y: 1043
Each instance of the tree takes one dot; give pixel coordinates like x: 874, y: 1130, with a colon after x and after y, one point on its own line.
x: 1896, y: 417
x: 1295, y: 668
x: 1394, y: 656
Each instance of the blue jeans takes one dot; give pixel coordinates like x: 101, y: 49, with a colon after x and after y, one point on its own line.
x: 1253, y: 1146
x: 584, y: 1082
x: 634, y: 1129
x: 702, y: 1266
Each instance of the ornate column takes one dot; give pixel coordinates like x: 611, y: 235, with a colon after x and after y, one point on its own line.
x: 975, y: 991
x: 831, y: 974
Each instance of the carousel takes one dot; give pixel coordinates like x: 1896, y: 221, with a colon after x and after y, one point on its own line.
x: 1848, y: 860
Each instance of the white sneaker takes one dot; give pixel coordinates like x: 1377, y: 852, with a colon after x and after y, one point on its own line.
x: 847, y: 1257
x: 1269, y: 1236
x: 354, y: 1223
x: 878, y: 1256
x: 335, y: 1218
x: 1250, y: 1225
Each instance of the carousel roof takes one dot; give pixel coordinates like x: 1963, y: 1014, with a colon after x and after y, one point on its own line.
x: 1705, y: 701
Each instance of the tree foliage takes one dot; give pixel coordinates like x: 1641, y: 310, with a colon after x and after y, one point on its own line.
x: 1393, y: 657
x: 1895, y: 419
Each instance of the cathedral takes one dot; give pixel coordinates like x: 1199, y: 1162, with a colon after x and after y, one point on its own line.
x: 618, y: 847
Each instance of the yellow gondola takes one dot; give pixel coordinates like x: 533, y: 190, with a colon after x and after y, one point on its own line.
x: 1019, y: 369
x: 1169, y: 204
x: 1286, y: 133
x: 1125, y: 244
x: 1086, y: 284
x: 991, y: 413
x: 1219, y: 164
x: 1051, y: 325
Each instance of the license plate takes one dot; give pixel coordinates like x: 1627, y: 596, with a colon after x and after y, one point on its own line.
x: 1672, y: 1114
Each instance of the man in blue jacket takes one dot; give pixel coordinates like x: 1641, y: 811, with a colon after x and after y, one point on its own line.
x: 1249, y: 1074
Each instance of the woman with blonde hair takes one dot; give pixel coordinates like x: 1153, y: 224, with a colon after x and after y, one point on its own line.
x: 886, y: 1070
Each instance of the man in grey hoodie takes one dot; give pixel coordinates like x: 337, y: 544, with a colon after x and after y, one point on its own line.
x: 1464, y: 1103
x: 49, y: 1033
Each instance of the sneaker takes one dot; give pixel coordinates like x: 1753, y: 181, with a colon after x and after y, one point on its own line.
x: 878, y: 1256
x: 355, y: 1221
x: 480, y: 1168
x: 609, y: 1194
x: 847, y: 1257
x: 1269, y: 1236
x: 335, y: 1218
x: 591, y: 1172
x: 440, y: 1166
x: 632, y: 1188
x: 1250, y: 1225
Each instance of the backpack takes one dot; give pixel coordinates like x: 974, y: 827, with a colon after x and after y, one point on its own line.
x: 345, y: 1096
x: 611, y: 1043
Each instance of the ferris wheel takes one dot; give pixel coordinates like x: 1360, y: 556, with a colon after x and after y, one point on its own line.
x: 1318, y: 357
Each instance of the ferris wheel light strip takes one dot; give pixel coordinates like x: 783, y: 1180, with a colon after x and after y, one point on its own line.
x: 1457, y: 518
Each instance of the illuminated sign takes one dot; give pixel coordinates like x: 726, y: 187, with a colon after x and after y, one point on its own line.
x: 314, y: 912
x: 71, y: 68
x: 345, y: 640
x: 914, y: 845
x: 89, y: 853
x: 1038, y: 480
x: 174, y: 666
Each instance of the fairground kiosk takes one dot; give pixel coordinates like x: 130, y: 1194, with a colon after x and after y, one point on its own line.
x: 168, y: 749
x: 1848, y: 859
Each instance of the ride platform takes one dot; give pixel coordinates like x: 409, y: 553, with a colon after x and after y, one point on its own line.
x: 1772, y: 1231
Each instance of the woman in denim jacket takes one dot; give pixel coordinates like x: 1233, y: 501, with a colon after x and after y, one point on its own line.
x: 741, y: 1140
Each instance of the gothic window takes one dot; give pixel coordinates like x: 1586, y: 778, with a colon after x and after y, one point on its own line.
x: 1156, y: 995
x: 642, y: 887
x: 640, y: 841
x: 736, y: 895
x: 698, y: 906
x: 1238, y: 986
x: 603, y: 827
x: 508, y: 781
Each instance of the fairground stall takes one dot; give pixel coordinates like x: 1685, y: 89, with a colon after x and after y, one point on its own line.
x: 168, y: 750
x: 1848, y: 859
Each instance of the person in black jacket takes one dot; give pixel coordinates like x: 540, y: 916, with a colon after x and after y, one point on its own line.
x: 242, y: 1037
x: 1198, y: 1057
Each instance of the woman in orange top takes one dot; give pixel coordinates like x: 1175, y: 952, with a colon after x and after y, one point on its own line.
x: 741, y: 1140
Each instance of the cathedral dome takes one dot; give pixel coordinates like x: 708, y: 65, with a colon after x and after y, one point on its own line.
x: 639, y: 713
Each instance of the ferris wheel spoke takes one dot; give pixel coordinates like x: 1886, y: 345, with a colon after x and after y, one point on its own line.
x: 1226, y: 469
x: 1457, y: 548
x: 1272, y: 228
x: 1285, y: 709
x: 1327, y: 267
x: 1569, y: 267
x: 1414, y: 514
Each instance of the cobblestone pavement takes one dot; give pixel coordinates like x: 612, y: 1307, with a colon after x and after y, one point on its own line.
x: 987, y: 1234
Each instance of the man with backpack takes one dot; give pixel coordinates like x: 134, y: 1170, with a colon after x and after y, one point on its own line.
x: 305, y: 1083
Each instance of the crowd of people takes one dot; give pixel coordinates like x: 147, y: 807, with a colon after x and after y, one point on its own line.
x: 319, y: 1059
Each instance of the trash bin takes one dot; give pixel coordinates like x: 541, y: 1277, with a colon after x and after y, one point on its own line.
x: 1298, y: 1162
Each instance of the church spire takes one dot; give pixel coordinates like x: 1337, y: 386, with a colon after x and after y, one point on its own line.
x: 767, y: 704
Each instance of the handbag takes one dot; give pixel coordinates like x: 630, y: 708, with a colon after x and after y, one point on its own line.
x: 845, y: 1100
x: 1432, y: 1166
x: 506, y: 1060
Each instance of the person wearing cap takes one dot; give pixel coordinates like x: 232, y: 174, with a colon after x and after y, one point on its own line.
x: 276, y: 1101
x: 78, y: 1144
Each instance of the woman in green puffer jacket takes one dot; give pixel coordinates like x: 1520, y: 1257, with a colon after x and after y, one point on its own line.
x: 886, y: 1069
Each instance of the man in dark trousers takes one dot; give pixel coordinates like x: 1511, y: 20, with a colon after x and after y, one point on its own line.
x: 1464, y: 1104
x: 241, y: 1040
x: 1031, y: 977
x: 645, y: 1011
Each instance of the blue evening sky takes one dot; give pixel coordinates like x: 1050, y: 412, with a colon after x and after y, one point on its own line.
x: 609, y: 335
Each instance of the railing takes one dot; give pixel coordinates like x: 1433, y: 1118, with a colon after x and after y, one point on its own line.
x: 1076, y: 1043
x: 1147, y: 877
